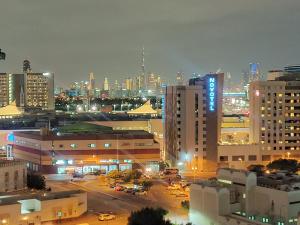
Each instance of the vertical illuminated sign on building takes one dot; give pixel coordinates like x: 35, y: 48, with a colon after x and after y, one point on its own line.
x: 211, y: 93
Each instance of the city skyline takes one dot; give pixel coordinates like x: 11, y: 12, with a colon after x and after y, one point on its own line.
x: 229, y: 39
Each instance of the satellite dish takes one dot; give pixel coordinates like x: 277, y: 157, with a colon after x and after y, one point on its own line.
x: 2, y: 55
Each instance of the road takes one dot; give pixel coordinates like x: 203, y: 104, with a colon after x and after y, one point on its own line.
x: 102, y: 198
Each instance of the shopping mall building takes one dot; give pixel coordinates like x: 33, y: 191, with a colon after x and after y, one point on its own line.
x: 85, y: 148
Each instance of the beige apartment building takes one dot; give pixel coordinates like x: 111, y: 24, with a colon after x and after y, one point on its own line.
x: 13, y: 175
x: 35, y: 209
x: 28, y: 90
x: 274, y: 128
x: 193, y: 117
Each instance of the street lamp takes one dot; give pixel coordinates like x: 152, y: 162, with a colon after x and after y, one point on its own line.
x: 194, y: 171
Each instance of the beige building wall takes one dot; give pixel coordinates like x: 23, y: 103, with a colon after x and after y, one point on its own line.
x: 53, y: 209
x: 13, y: 175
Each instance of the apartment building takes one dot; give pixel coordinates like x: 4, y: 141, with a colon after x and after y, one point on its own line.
x: 239, y: 197
x: 193, y: 116
x: 13, y: 175
x: 275, y: 116
x: 28, y: 90
x: 36, y: 209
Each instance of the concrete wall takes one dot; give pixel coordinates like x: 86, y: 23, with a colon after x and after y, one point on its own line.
x: 13, y: 176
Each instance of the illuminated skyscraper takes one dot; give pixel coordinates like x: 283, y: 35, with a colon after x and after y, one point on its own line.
x: 179, y: 78
x: 92, y: 85
x: 106, y: 84
x: 254, y: 72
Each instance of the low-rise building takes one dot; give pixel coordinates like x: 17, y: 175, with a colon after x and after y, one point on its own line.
x: 240, y: 197
x: 38, y: 208
x: 84, y: 148
x: 13, y: 175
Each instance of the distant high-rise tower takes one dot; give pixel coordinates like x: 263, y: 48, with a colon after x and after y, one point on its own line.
x: 26, y: 66
x: 91, y: 87
x: 142, y: 78
x: 105, y: 84
x: 254, y: 72
x: 92, y: 82
x: 179, y: 78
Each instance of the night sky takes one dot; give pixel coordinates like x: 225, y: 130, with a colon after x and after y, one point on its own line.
x: 74, y: 37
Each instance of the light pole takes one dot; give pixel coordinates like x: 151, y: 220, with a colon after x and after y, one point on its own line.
x: 194, y: 172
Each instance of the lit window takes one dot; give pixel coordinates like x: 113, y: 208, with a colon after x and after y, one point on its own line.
x: 73, y: 145
x: 92, y: 145
x: 107, y: 145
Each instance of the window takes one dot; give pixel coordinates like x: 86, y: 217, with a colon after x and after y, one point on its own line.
x: 92, y: 145
x: 223, y: 158
x: 73, y: 145
x: 238, y: 158
x: 252, y: 157
x: 266, y: 158
x: 196, y: 133
x: 61, y: 146
x: 107, y: 145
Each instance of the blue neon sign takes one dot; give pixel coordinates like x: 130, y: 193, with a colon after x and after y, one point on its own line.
x: 211, y: 93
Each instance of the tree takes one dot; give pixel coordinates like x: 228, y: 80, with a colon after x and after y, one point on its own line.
x: 163, y: 165
x: 291, y: 165
x: 149, y: 216
x: 114, y: 174
x: 147, y: 184
x: 136, y: 174
x: 257, y: 168
x: 36, y: 181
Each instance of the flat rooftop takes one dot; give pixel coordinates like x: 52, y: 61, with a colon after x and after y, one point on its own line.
x: 85, y: 131
x: 39, y: 196
x: 6, y: 163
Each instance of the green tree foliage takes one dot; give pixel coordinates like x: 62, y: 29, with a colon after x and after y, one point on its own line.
x: 114, y: 174
x: 163, y: 165
x: 147, y: 184
x: 290, y: 165
x: 149, y: 216
x: 36, y: 181
x: 257, y: 168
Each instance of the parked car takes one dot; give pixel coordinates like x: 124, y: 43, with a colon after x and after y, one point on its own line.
x: 119, y: 188
x: 106, y: 216
x: 129, y: 190
x: 78, y: 175
x: 173, y: 187
x: 140, y: 193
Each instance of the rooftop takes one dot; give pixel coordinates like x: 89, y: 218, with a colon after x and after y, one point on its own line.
x: 39, y: 196
x: 5, y: 162
x: 85, y: 131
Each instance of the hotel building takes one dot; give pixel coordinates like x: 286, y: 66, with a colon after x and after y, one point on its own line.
x: 193, y: 115
x: 28, y: 90
x: 275, y: 116
x: 92, y: 148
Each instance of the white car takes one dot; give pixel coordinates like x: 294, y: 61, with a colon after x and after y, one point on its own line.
x: 105, y: 217
x: 181, y: 194
x: 173, y: 187
x: 141, y: 193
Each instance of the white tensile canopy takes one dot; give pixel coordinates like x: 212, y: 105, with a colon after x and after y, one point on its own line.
x: 145, y: 109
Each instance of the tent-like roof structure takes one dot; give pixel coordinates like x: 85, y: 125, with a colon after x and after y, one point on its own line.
x: 145, y: 109
x: 11, y: 110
